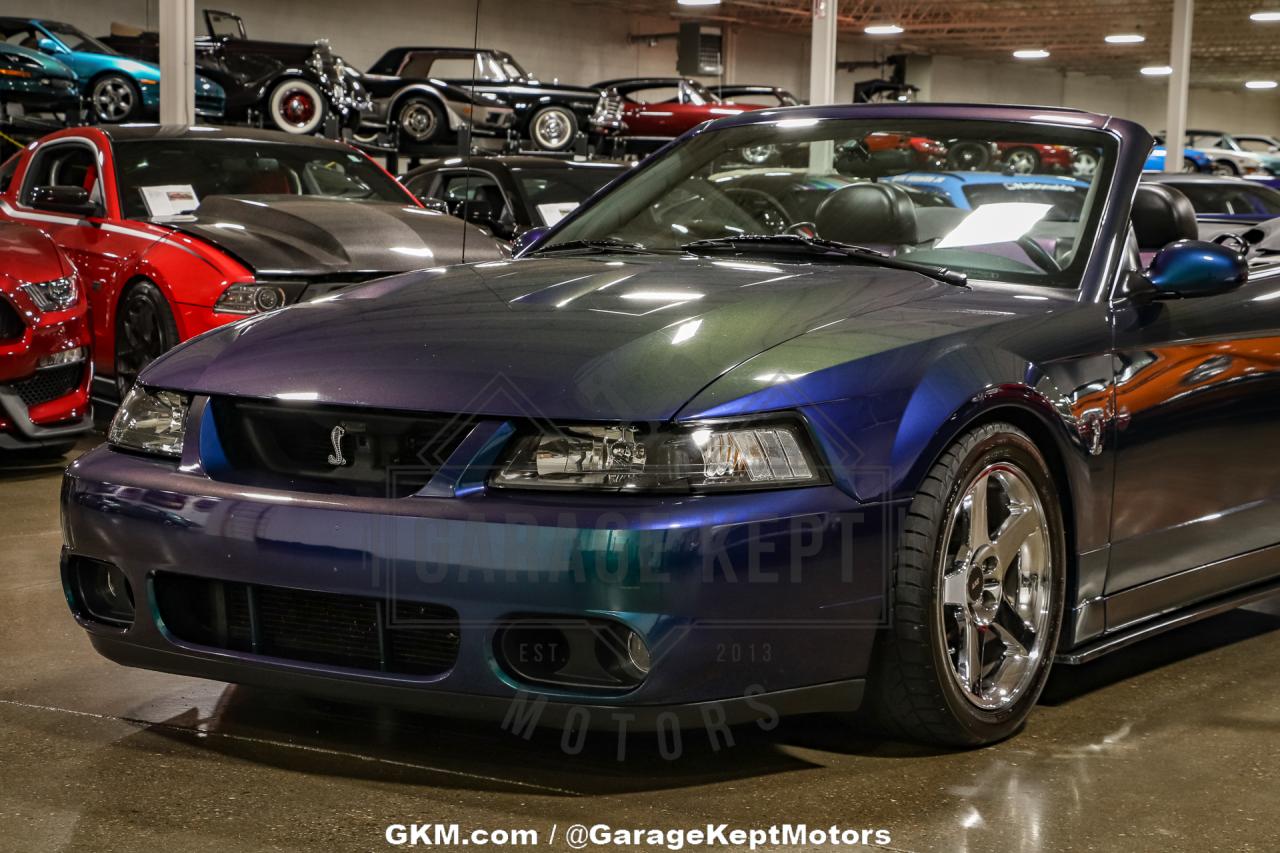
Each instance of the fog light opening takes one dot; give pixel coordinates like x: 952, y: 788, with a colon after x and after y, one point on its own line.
x: 103, y: 593
x: 638, y: 653
x: 572, y: 652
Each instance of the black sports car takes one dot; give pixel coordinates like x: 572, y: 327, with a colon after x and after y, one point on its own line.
x: 548, y: 115
x: 285, y: 86
x: 510, y: 195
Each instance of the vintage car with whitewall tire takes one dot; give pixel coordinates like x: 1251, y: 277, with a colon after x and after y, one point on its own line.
x: 291, y: 87
x: 547, y: 116
x: 918, y: 452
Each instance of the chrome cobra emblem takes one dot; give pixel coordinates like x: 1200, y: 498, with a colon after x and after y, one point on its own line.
x: 335, y: 436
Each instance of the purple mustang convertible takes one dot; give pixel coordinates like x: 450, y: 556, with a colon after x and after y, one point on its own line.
x: 724, y: 443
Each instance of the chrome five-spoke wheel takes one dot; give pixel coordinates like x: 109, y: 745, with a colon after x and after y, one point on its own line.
x: 996, y: 586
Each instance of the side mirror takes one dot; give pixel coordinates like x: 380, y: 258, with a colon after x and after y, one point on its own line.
x: 48, y: 45
x: 526, y: 239
x: 478, y: 212
x: 63, y: 200
x: 439, y: 205
x: 1189, y: 268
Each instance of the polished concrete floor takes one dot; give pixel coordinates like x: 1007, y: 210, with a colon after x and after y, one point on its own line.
x: 1172, y: 746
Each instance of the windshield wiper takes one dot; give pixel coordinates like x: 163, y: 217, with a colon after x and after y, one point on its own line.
x: 818, y: 246
x: 605, y: 245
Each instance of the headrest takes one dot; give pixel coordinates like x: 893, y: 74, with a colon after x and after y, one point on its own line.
x: 1161, y: 215
x: 868, y: 213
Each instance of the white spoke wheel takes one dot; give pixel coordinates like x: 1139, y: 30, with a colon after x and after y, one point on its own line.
x: 296, y: 106
x: 1023, y: 161
x: 422, y: 123
x: 977, y: 594
x: 553, y: 128
x: 1224, y: 168
x: 1084, y: 164
x: 115, y: 98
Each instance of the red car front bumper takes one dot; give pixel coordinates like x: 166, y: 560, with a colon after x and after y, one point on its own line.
x: 43, y: 401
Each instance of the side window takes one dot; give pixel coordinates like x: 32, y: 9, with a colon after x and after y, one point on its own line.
x: 462, y: 190
x: 63, y: 165
x: 6, y: 172
x: 420, y: 185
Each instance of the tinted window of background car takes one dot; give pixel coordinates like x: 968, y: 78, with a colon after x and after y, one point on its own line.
x: 224, y: 167
x: 560, y: 188
x: 1229, y: 198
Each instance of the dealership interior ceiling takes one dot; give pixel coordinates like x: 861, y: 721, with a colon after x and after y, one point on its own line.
x: 1225, y: 48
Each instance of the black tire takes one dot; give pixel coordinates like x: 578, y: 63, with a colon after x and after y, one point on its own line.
x: 553, y: 128
x: 1225, y: 168
x: 422, y: 124
x: 1189, y: 166
x: 296, y: 106
x: 966, y: 155
x: 145, y: 330
x: 115, y: 98
x: 913, y: 690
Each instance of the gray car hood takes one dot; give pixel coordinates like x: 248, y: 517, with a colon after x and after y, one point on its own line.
x: 311, y: 236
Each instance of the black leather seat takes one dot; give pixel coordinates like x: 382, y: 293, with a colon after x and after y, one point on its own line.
x: 868, y: 213
x: 1161, y: 215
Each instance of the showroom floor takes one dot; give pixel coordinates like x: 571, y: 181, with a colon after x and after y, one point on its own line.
x: 1172, y: 746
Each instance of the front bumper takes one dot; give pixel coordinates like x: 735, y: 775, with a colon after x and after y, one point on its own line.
x: 752, y: 604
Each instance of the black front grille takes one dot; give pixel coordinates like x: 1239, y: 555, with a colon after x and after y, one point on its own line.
x: 11, y: 325
x: 383, y: 454
x: 50, y: 384
x: 315, y: 627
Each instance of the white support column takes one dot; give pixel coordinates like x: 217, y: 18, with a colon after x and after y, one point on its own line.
x: 177, y: 62
x: 1180, y: 60
x: 822, y: 75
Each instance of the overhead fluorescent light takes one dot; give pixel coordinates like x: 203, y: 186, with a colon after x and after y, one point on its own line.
x: 1260, y: 84
x: 1031, y: 54
x: 882, y: 30
x: 1265, y: 17
x: 1125, y: 38
x: 698, y: 2
x: 1157, y: 71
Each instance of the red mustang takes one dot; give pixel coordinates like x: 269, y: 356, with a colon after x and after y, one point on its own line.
x: 658, y: 109
x: 179, y: 230
x: 44, y: 345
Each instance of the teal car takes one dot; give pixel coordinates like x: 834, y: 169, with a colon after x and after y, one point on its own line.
x: 117, y: 88
x: 41, y: 84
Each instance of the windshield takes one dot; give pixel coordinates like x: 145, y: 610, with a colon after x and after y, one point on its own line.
x: 998, y: 201
x: 149, y: 170
x: 1231, y: 198
x: 76, y: 40
x: 554, y: 193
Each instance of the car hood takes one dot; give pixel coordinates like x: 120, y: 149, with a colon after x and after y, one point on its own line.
x: 311, y: 236
x: 48, y: 65
x: 631, y: 337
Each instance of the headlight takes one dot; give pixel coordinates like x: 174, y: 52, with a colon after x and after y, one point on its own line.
x: 250, y: 299
x: 57, y: 295
x: 151, y: 422
x: 701, y: 457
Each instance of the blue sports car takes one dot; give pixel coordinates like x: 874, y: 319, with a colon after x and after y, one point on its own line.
x: 118, y: 89
x: 707, y: 451
x: 1192, y: 160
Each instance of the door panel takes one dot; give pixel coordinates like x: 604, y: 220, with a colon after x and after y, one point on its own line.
x: 1198, y: 418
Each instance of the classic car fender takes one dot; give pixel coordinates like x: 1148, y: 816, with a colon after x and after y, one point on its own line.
x: 393, y: 102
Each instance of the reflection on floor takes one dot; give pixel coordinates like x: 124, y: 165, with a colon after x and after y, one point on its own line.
x: 1175, y: 744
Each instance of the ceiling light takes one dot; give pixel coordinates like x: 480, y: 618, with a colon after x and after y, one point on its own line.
x: 1030, y: 54
x: 1157, y: 71
x: 1260, y: 84
x: 1265, y: 17
x: 698, y: 2
x: 1126, y: 38
x: 882, y: 30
